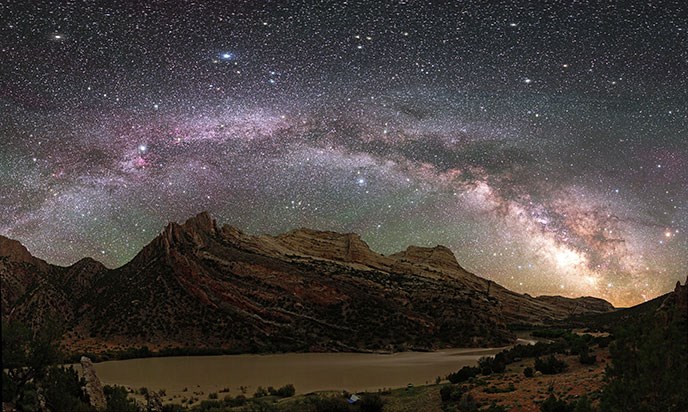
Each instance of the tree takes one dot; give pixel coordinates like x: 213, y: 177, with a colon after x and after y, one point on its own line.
x: 62, y: 390
x: 26, y: 357
x: 649, y: 370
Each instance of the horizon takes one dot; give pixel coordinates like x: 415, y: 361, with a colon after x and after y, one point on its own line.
x: 545, y: 146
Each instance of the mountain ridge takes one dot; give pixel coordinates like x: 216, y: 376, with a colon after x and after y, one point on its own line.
x: 199, y: 284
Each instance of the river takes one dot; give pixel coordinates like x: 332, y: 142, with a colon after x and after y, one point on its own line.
x: 307, y: 371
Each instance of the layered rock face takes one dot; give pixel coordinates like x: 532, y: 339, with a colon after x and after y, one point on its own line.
x: 200, y: 285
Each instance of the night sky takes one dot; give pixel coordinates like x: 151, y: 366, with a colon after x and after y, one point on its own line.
x: 545, y: 144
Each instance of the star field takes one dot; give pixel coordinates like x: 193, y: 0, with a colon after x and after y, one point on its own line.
x: 545, y: 144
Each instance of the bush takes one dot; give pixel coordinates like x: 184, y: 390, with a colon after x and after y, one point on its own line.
x: 489, y: 365
x: 463, y: 374
x: 117, y: 400
x: 212, y: 395
x: 258, y: 406
x: 371, y: 403
x: 528, y: 372
x: 209, y: 405
x: 550, y: 365
x: 583, y: 405
x: 586, y: 358
x: 260, y: 392
x: 286, y: 391
x: 603, y: 341
x: 233, y: 402
x: 553, y: 404
x: 451, y: 393
x: 330, y: 404
x: 445, y: 392
x: 468, y: 404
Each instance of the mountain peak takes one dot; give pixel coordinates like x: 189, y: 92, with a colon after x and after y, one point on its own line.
x: 439, y: 256
x: 202, y: 222
x: 17, y: 252
x: 195, y: 231
x: 87, y: 262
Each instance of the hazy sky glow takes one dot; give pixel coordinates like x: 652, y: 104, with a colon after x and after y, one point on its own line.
x: 546, y: 145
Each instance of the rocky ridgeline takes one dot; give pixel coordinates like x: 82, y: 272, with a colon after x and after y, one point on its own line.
x: 199, y: 285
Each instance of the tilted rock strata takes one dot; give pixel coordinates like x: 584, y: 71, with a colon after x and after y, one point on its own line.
x: 200, y: 285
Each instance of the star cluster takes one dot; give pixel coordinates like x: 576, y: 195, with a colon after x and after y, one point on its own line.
x: 546, y: 144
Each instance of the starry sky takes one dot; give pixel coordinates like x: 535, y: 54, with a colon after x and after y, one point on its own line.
x: 545, y: 143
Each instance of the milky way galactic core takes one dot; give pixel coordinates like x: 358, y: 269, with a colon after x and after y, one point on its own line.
x: 545, y: 144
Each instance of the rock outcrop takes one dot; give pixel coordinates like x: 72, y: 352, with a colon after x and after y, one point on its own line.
x: 153, y: 402
x: 93, y: 388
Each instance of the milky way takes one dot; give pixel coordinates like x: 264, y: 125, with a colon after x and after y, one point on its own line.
x: 546, y: 145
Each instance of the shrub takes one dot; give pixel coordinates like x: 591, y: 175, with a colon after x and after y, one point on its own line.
x: 587, y: 359
x: 489, y: 365
x: 550, y: 365
x: 468, y: 404
x: 212, y: 395
x: 451, y: 393
x: 371, y: 403
x: 117, y: 400
x: 330, y: 404
x: 463, y: 374
x: 583, y: 405
x: 233, y: 402
x: 260, y: 392
x: 209, y: 405
x: 528, y: 372
x: 286, y: 391
x: 445, y: 393
x: 553, y: 404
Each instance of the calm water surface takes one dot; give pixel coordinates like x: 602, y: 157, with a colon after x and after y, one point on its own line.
x: 307, y: 371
